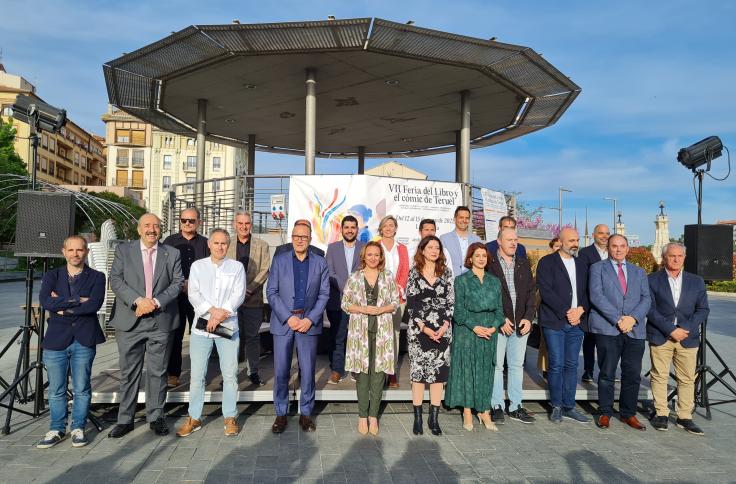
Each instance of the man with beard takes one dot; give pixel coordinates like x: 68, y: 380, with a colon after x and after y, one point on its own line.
x: 458, y: 241
x: 562, y: 281
x: 343, y: 257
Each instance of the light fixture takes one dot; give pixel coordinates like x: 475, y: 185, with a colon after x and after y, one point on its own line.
x: 42, y: 116
x: 230, y: 120
x: 250, y: 86
x: 700, y: 153
x: 330, y: 17
x: 406, y: 140
x: 391, y: 82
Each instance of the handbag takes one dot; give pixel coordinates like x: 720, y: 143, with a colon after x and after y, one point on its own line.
x: 220, y: 330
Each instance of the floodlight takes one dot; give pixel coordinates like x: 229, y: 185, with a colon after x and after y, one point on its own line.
x: 700, y: 153
x: 38, y: 114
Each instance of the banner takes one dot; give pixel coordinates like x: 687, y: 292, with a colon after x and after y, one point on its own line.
x: 325, y: 199
x: 494, y: 207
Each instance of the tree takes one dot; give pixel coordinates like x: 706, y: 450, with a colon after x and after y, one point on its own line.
x: 11, y: 166
x: 125, y: 224
x: 10, y: 161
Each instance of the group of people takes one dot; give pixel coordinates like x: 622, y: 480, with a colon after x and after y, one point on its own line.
x: 469, y: 309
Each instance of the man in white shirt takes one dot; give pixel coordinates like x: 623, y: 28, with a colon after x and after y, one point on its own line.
x: 216, y: 290
x: 458, y: 241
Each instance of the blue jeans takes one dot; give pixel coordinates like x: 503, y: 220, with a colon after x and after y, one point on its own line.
x: 338, y: 337
x: 79, y: 358
x: 514, y: 349
x: 563, y: 347
x: 200, y: 348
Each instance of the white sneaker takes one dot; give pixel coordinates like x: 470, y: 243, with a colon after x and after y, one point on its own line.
x: 51, y: 438
x: 78, y: 438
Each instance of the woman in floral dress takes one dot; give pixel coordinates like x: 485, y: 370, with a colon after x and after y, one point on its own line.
x: 429, y: 301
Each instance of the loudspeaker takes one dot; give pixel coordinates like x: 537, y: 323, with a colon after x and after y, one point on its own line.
x: 709, y: 251
x: 43, y: 221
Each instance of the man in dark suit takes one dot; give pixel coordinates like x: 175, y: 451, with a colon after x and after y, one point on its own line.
x: 505, y: 222
x: 343, y: 257
x: 288, y: 247
x: 146, y: 278
x: 72, y: 294
x: 619, y: 302
x: 679, y: 307
x: 562, y: 280
x: 595, y: 252
x: 298, y: 289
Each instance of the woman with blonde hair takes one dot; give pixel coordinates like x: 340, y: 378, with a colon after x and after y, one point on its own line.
x: 370, y: 297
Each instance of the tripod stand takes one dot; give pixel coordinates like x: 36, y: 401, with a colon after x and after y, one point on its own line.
x: 703, y: 370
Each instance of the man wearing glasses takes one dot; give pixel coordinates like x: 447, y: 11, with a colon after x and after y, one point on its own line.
x: 192, y: 246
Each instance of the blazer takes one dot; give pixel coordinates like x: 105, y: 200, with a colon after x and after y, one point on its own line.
x: 555, y: 288
x: 257, y: 272
x: 288, y: 247
x: 608, y: 303
x: 280, y: 292
x: 691, y: 310
x: 79, y: 321
x: 449, y: 240
x: 589, y: 255
x: 128, y: 283
x: 523, y: 284
x: 339, y: 271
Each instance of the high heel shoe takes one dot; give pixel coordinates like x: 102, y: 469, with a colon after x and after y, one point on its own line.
x: 373, y: 425
x: 489, y: 425
x: 468, y: 425
x: 363, y: 426
x: 418, y: 420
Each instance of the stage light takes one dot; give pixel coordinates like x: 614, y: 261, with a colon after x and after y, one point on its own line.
x: 38, y: 114
x: 700, y: 153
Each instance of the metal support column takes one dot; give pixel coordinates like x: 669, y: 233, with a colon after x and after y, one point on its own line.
x: 361, y: 160
x: 458, y: 167
x: 463, y: 168
x: 201, y: 132
x: 310, y: 124
x: 250, y: 171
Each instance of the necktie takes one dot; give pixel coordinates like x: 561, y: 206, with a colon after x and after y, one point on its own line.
x: 622, y: 278
x: 148, y: 272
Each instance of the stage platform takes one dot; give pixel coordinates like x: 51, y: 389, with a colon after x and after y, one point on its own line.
x: 105, y: 383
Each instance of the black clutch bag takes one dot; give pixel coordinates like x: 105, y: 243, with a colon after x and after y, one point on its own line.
x: 220, y: 330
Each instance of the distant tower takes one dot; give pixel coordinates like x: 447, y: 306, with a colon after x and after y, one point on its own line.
x: 620, y: 227
x: 661, y: 233
x: 587, y: 235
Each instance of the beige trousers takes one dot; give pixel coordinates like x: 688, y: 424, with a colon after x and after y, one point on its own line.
x: 685, y: 361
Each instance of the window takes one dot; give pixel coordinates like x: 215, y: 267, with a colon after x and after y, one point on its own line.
x: 44, y: 163
x: 76, y: 178
x: 216, y: 162
x: 191, y: 162
x: 52, y: 144
x: 167, y: 162
x: 7, y: 110
x: 76, y: 158
x: 168, y: 141
x: 122, y: 158
x: 121, y: 178
x: 60, y: 172
x: 166, y: 183
x: 122, y: 136
x: 138, y: 158
x: 44, y: 141
x: 190, y: 141
x: 138, y: 137
x: 216, y: 186
x: 138, y: 181
x: 190, y: 184
x: 83, y: 163
x: 52, y: 167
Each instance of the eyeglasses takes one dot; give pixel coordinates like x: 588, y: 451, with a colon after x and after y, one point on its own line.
x: 188, y: 220
x: 301, y: 238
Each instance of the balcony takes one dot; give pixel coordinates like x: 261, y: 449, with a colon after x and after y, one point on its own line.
x: 188, y: 167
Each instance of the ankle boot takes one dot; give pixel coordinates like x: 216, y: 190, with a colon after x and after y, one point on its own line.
x: 418, y: 420
x: 433, y: 420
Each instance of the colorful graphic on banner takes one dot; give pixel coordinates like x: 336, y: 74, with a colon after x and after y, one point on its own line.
x: 325, y: 199
x: 494, y: 207
x: 278, y: 206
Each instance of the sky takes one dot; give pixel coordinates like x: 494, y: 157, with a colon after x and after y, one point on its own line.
x: 655, y: 77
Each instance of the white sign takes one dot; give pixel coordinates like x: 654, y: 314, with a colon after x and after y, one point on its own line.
x: 278, y: 209
x: 494, y: 207
x: 325, y: 199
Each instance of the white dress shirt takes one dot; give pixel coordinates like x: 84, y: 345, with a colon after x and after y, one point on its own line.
x: 216, y: 286
x: 676, y: 288
x: 602, y: 253
x: 572, y: 273
x: 392, y: 257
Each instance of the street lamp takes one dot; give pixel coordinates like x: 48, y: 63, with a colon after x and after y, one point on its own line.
x: 560, y: 205
x: 615, y: 201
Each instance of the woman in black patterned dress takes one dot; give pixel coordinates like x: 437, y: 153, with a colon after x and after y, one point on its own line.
x: 429, y: 301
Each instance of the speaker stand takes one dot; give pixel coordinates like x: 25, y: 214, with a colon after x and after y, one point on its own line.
x: 703, y: 371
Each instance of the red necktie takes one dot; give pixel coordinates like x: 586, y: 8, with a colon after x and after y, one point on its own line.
x: 622, y: 278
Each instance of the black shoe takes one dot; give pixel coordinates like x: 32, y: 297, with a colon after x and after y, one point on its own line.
x: 521, y: 415
x: 660, y: 423
x: 497, y: 415
x: 120, y: 430
x: 689, y: 425
x: 418, y: 430
x: 256, y: 380
x: 159, y: 426
x: 433, y: 420
x: 587, y: 377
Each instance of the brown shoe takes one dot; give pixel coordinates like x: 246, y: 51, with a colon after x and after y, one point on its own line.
x: 279, y: 425
x: 231, y: 427
x: 634, y: 423
x: 393, y: 382
x: 172, y: 381
x: 307, y: 423
x: 603, y: 421
x: 335, y: 378
x: 190, y: 425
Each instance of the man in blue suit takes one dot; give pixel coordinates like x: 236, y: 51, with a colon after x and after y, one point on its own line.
x: 343, y: 257
x: 562, y: 280
x: 458, y: 241
x: 298, y: 289
x: 619, y: 300
x: 679, y: 307
x: 72, y: 294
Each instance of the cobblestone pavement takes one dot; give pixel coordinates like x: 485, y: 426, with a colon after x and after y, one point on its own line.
x: 336, y: 452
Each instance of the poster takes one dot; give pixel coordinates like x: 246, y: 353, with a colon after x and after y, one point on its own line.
x: 325, y: 199
x: 494, y: 207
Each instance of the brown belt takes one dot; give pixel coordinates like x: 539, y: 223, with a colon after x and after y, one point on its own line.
x: 297, y: 311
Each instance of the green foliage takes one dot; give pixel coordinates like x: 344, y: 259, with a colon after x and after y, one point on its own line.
x: 722, y: 286
x: 125, y: 225
x: 10, y: 161
x: 643, y: 258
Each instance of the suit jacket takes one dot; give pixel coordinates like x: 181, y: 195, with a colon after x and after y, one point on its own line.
x: 288, y: 247
x: 691, y: 310
x: 128, y: 283
x: 257, y: 272
x: 79, y: 321
x: 608, y: 302
x: 589, y: 255
x: 523, y: 284
x: 280, y: 292
x: 492, y: 247
x: 449, y: 240
x: 339, y: 271
x: 555, y: 288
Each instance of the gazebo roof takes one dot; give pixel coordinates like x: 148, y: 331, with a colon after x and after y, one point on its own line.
x: 391, y: 88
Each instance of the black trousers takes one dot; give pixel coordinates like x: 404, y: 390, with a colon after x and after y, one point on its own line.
x: 589, y: 352
x: 186, y: 313
x: 630, y: 352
